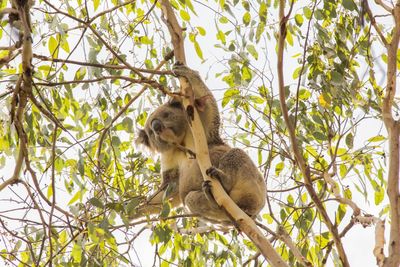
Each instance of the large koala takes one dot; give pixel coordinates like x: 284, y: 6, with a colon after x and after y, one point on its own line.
x: 167, y: 132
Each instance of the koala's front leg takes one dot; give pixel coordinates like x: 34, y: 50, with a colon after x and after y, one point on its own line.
x: 193, y: 78
x: 181, y: 70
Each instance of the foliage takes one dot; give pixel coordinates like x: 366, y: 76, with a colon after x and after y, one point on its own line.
x: 95, y: 81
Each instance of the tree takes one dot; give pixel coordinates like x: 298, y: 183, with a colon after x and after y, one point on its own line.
x: 303, y: 80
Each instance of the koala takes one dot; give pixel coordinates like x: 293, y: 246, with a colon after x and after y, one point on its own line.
x: 167, y: 132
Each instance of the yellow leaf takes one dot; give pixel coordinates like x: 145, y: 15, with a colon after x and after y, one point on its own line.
x: 53, y: 47
x: 75, y: 198
x: 323, y: 102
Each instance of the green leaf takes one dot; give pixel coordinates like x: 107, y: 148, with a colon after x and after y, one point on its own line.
x: 228, y: 95
x: 262, y: 12
x: 184, y: 15
x: 349, y: 4
x: 246, y: 18
x: 132, y: 205
x: 307, y: 12
x: 377, y: 138
x: 278, y: 168
x: 260, y: 31
x: 223, y: 20
x: 201, y: 30
x: 49, y: 191
x: 252, y: 50
x: 221, y: 36
x: 76, y: 252
x: 96, y: 202
x: 246, y: 74
x: 337, y: 78
x: 319, y: 136
x: 296, y: 72
x: 53, y: 47
x: 299, y: 19
x: 96, y: 4
x: 350, y: 140
x: 246, y: 5
x: 199, y: 52
x: 165, y: 210
x: 379, y: 196
x: 65, y: 45
x: 385, y: 58
x: 80, y: 74
x: 343, y: 170
x: 145, y: 40
x: 304, y: 94
x: 75, y: 197
x: 222, y: 4
x: 289, y: 38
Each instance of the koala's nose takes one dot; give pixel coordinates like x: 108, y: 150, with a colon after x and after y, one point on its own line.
x: 156, y: 125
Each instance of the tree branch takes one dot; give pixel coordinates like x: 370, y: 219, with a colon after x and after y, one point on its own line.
x: 103, y: 66
x: 302, y: 164
x: 285, y: 237
x: 393, y: 129
x: 111, y: 77
x: 384, y: 6
x: 22, y: 89
x: 373, y: 22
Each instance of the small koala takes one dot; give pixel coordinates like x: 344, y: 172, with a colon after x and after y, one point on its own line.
x: 167, y: 132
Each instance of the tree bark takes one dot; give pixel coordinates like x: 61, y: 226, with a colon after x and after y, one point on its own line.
x: 393, y: 127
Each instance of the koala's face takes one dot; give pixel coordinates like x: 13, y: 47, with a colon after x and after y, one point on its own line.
x: 165, y: 127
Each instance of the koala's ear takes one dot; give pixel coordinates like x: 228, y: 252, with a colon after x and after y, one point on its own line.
x: 201, y: 102
x: 143, y: 138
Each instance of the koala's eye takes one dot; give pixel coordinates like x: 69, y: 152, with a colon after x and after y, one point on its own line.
x: 166, y: 114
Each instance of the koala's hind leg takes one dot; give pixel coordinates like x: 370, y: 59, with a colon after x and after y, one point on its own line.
x: 198, y: 203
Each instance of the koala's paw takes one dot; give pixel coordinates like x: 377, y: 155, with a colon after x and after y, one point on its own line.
x: 181, y: 70
x: 215, y: 173
x: 207, y: 192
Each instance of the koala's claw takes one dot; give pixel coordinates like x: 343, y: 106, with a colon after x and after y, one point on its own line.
x: 207, y: 191
x: 214, y: 173
x: 182, y: 70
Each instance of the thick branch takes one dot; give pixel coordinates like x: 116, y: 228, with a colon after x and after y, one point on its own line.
x: 22, y: 89
x: 393, y: 129
x: 379, y: 243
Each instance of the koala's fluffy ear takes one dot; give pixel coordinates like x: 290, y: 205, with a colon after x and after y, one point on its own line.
x: 142, y: 138
x: 201, y: 102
